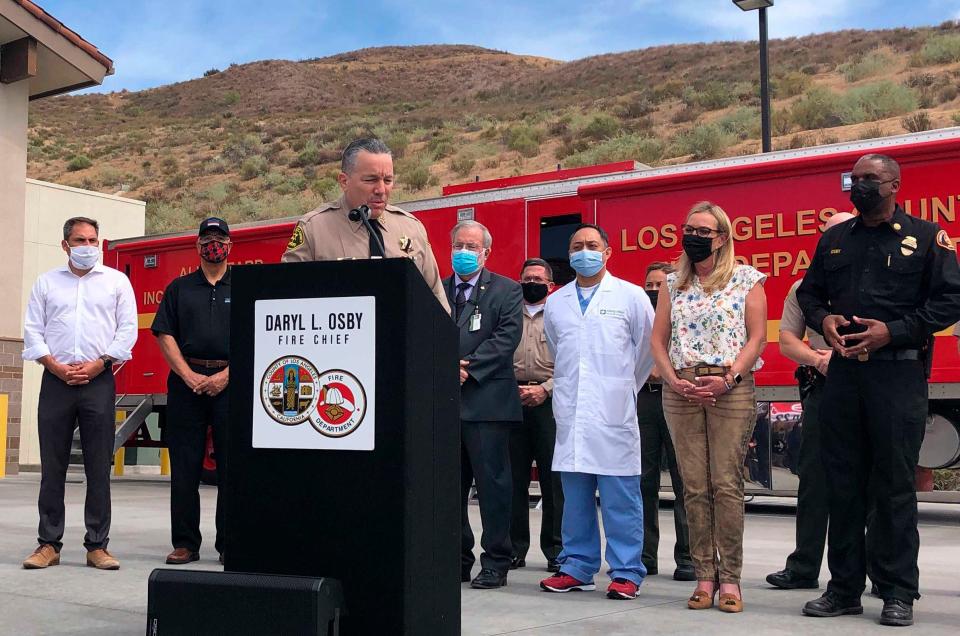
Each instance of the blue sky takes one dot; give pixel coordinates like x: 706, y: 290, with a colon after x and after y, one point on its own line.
x: 154, y: 42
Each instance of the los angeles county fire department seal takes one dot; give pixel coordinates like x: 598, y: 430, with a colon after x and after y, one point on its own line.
x: 342, y: 404
x: 290, y: 390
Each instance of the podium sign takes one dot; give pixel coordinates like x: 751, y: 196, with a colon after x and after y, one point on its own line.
x: 315, y: 373
x: 344, y: 440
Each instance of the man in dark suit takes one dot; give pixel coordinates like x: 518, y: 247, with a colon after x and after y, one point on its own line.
x: 487, y: 309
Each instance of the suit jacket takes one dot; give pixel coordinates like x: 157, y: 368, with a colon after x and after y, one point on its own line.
x: 490, y: 392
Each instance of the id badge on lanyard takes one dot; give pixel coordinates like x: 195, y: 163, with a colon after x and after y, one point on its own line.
x: 474, y: 321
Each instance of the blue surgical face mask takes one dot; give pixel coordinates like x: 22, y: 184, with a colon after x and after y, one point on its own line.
x: 465, y: 262
x: 586, y: 262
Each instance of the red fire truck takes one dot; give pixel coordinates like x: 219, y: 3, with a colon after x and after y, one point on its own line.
x: 776, y: 201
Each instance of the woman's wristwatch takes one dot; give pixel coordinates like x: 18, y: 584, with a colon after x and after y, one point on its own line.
x: 735, y: 379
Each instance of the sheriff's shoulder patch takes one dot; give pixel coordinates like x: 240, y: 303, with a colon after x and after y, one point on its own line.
x: 297, y: 239
x: 944, y: 241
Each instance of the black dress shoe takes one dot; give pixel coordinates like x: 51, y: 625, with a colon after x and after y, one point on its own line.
x: 489, y: 579
x: 651, y: 569
x: 830, y: 605
x: 517, y: 562
x: 896, y: 612
x: 684, y: 572
x: 788, y: 580
x: 553, y: 565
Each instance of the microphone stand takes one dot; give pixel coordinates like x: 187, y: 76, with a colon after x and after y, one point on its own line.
x: 362, y: 214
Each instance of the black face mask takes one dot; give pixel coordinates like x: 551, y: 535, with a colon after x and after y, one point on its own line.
x: 653, y: 294
x: 697, y: 248
x: 865, y: 196
x: 534, y: 292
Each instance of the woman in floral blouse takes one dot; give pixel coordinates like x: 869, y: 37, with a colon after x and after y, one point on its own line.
x: 708, y: 334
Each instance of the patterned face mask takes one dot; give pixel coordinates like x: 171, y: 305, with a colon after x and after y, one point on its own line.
x: 213, y: 252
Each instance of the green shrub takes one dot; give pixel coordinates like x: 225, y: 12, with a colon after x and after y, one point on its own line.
x: 871, y: 132
x: 792, y: 84
x: 176, y: 180
x: 601, y: 126
x: 956, y: 119
x: 240, y: 147
x: 230, y: 98
x: 702, y: 142
x: 878, y: 101
x: 524, y: 139
x: 397, y: 142
x: 917, y: 122
x: 253, y: 167
x: 940, y: 49
x: 212, y: 71
x: 326, y: 188
x: 462, y: 164
x: 743, y: 123
x: 818, y: 108
x: 79, y: 162
x: 868, y: 65
x: 648, y: 150
x: 109, y: 176
x: 711, y: 96
x: 417, y: 176
x: 291, y: 185
x: 308, y: 156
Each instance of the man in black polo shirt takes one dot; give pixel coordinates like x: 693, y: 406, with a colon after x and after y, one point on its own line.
x: 192, y: 327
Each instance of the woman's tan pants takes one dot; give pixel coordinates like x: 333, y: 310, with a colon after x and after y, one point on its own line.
x: 711, y: 444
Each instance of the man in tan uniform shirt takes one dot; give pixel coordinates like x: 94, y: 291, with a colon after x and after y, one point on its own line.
x: 535, y: 438
x: 327, y: 233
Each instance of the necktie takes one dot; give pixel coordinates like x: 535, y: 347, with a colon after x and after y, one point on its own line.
x: 461, y: 300
x: 374, y: 246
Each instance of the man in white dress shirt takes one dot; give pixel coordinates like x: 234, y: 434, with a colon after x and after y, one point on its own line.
x: 81, y: 319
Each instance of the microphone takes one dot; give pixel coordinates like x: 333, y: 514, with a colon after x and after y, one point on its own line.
x: 362, y: 214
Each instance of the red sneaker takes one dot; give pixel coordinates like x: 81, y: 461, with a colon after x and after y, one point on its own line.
x: 621, y: 589
x: 565, y: 583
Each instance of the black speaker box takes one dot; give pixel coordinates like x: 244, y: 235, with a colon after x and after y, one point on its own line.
x: 213, y: 603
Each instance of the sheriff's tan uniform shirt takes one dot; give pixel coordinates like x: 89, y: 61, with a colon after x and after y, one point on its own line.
x: 327, y: 234
x: 792, y: 321
x: 532, y: 360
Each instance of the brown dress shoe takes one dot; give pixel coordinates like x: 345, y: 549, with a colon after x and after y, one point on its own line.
x: 44, y: 556
x: 730, y: 603
x: 701, y: 599
x: 181, y: 556
x: 102, y: 560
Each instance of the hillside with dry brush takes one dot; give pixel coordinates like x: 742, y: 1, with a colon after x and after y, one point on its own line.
x: 262, y: 140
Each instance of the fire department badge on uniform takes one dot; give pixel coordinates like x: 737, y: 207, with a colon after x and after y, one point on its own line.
x: 297, y: 239
x: 342, y: 404
x: 289, y: 390
x: 406, y: 244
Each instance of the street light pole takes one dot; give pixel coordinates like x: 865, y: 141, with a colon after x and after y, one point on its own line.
x: 764, y: 83
x: 762, y: 5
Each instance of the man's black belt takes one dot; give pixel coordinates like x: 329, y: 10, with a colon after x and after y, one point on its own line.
x: 528, y: 382
x: 651, y: 387
x: 894, y: 354
x: 209, y: 364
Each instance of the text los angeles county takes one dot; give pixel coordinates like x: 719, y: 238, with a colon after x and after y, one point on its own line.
x: 333, y: 328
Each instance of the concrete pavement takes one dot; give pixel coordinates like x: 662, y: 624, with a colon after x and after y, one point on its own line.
x: 74, y: 599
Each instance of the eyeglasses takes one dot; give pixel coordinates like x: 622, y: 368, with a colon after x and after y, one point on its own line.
x: 855, y: 180
x: 473, y: 247
x: 703, y: 232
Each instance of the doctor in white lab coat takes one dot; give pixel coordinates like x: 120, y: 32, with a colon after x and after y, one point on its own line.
x: 598, y: 328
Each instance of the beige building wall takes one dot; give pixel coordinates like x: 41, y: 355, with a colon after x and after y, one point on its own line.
x: 48, y: 206
x: 13, y: 169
